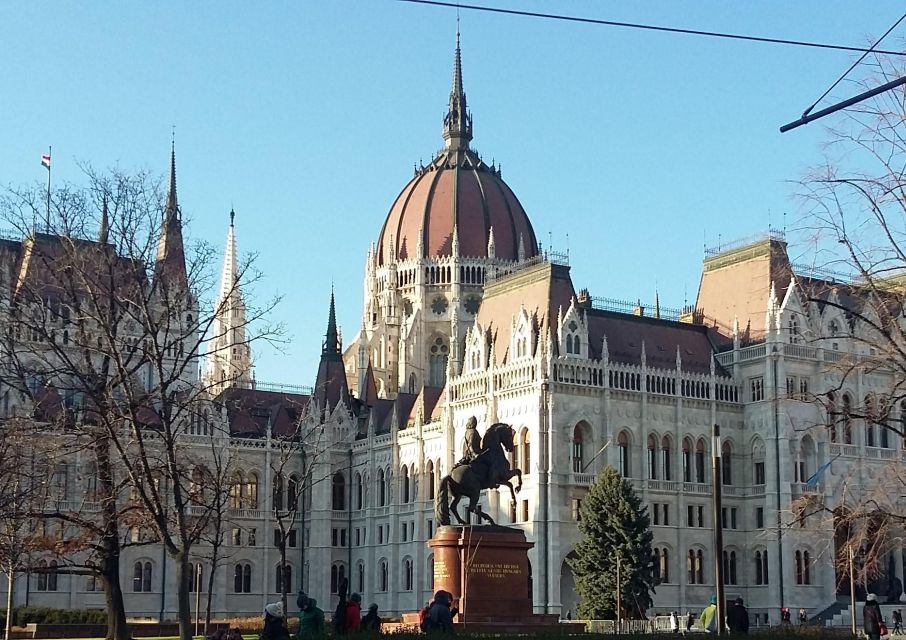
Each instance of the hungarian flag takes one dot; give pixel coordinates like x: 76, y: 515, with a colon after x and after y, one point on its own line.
x: 45, y: 161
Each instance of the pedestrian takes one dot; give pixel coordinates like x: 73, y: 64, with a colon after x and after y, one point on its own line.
x: 674, y: 622
x: 311, y: 618
x: 708, y: 618
x: 372, y: 621
x: 690, y: 620
x: 738, y: 618
x: 897, y: 621
x: 872, y: 621
x: 803, y: 616
x: 440, y: 617
x: 353, y: 613
x: 423, y: 615
x: 274, y: 623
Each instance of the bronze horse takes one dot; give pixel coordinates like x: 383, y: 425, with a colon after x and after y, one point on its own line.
x: 488, y: 470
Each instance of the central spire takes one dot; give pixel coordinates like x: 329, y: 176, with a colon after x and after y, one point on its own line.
x: 458, y: 121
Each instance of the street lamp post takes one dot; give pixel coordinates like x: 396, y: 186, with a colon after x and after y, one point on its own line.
x: 716, y: 481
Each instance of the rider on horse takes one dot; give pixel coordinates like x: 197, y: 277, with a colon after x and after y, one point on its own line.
x: 471, y: 443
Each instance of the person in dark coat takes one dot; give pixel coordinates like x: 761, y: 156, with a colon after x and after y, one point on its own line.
x: 439, y: 618
x: 738, y: 618
x: 471, y: 443
x: 871, y: 617
x: 371, y: 621
x: 274, y: 623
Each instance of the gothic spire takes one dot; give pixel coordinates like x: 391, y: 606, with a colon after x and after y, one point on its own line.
x: 171, y: 258
x: 229, y: 275
x: 105, y: 223
x: 458, y: 121
x: 332, y: 338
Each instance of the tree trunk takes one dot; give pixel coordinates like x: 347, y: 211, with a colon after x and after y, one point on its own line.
x: 10, y: 584
x: 117, y: 628
x: 207, y: 614
x: 183, y: 599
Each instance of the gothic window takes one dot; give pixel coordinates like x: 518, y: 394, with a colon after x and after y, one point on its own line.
x: 437, y: 370
x: 471, y: 305
x: 730, y: 567
x: 141, y: 577
x: 338, y: 494
x: 700, y: 567
x: 526, y: 451
x: 337, y: 575
x: 407, y: 307
x: 700, y: 461
x: 869, y: 421
x: 404, y: 484
x: 196, y: 571
x: 569, y: 344
x: 623, y: 447
x: 384, y: 576
x: 359, y: 491
x: 439, y: 305
x: 726, y: 463
x: 361, y: 571
x: 236, y: 491
x: 292, y: 493
x: 578, y: 454
x: 833, y: 328
x: 656, y: 564
x: 407, y: 575
x: 429, y: 476
x: 382, y: 489
x: 576, y: 344
x: 847, y: 420
x: 687, y: 460
x: 251, y: 492
x: 283, y: 579
x: 652, y: 457
x: 831, y: 417
x: 666, y: 466
x: 412, y: 384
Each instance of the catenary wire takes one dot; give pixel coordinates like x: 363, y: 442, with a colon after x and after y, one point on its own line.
x: 649, y: 27
x: 853, y: 66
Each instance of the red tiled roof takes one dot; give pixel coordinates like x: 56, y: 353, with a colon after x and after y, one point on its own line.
x: 249, y: 410
x: 459, y: 189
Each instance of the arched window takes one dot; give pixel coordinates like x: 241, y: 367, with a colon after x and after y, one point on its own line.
x: 404, y: 485
x: 656, y: 562
x: 338, y: 494
x: 141, y: 577
x: 798, y: 567
x: 700, y: 461
x: 429, y: 477
x: 292, y: 493
x: 690, y: 567
x: 576, y: 345
x: 578, y: 453
x: 759, y: 569
x: 384, y: 576
x: 412, y: 384
x: 569, y: 344
x: 278, y: 492
x: 700, y: 567
x: 251, y: 492
x: 196, y: 573
x: 359, y: 492
x: 526, y: 451
x: 236, y: 491
x: 870, y: 417
x: 847, y: 420
x: 247, y: 578
x: 806, y: 568
x: 832, y: 417
x: 623, y: 448
x: 687, y: 460
x: 283, y: 580
x: 360, y: 570
x: 730, y: 567
x: 437, y: 362
x: 237, y: 579
x: 334, y: 578
x: 42, y: 575
x: 666, y: 461
x: 665, y: 566
x: 726, y: 463
x: 382, y: 489
x: 794, y: 330
x: 407, y: 575
x: 652, y: 457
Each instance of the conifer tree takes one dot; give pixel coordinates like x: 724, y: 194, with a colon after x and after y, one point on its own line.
x: 613, y: 524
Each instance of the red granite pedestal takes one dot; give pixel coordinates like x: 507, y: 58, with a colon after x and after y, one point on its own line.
x: 486, y: 568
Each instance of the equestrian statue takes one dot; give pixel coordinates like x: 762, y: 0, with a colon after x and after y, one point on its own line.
x: 484, y: 465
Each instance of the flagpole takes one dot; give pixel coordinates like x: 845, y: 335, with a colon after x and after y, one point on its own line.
x: 47, y: 218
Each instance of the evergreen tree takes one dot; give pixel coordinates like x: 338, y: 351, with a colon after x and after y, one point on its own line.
x: 613, y: 524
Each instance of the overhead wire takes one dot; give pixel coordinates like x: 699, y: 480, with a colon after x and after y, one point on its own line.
x: 649, y: 27
x: 853, y: 66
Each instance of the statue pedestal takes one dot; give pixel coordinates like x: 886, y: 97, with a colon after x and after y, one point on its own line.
x: 486, y: 568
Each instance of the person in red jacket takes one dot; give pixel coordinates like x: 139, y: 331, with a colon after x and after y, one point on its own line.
x: 353, y: 613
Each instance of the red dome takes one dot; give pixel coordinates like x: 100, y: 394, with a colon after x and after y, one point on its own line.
x: 459, y: 189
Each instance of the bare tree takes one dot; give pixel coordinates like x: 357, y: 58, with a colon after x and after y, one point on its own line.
x: 854, y: 219
x: 117, y: 327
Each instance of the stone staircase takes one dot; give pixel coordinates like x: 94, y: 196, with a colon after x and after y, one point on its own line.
x: 843, y: 618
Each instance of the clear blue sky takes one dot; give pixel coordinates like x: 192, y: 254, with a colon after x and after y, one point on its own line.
x: 308, y: 117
